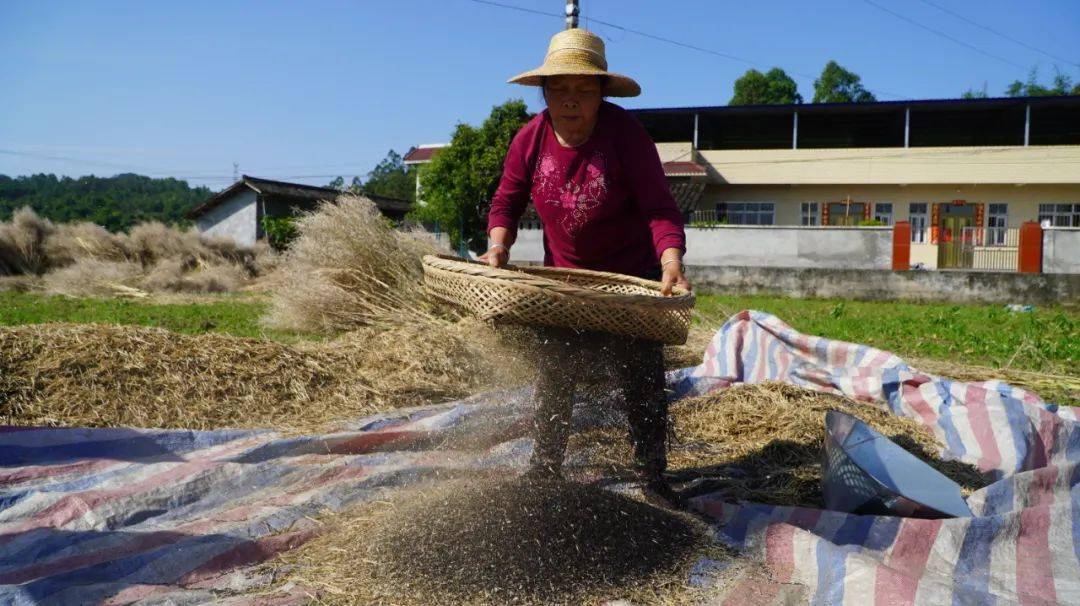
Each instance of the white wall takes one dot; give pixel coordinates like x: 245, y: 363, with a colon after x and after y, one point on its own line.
x: 236, y: 218
x: 1061, y: 250
x: 790, y: 246
x: 529, y: 246
x: 763, y: 246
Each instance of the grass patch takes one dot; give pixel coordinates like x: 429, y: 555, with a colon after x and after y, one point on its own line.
x: 1046, y: 340
x: 236, y: 315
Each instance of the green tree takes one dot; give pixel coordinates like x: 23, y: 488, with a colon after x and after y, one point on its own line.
x: 838, y: 85
x: 975, y: 94
x: 772, y: 88
x: 391, y: 178
x: 461, y: 179
x: 338, y: 183
x: 116, y: 202
x: 1060, y: 85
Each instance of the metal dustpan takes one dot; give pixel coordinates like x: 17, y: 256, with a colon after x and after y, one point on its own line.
x: 866, y: 473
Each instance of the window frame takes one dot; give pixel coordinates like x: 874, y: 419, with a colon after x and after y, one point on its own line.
x: 920, y: 228
x: 740, y: 213
x: 996, y: 234
x: 888, y: 216
x: 1052, y: 211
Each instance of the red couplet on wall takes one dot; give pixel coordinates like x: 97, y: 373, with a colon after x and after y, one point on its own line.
x: 901, y: 246
x: 1030, y: 253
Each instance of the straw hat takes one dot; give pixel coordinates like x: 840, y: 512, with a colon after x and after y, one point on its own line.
x: 578, y: 52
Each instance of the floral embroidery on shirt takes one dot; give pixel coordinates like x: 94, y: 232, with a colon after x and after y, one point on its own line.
x: 575, y: 200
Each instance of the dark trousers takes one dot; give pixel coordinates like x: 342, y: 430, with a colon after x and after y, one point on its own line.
x: 633, y: 367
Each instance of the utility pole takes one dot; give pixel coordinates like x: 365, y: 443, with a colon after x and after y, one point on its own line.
x: 235, y: 171
x: 571, y: 14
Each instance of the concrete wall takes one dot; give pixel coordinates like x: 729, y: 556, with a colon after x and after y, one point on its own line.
x: 790, y: 246
x: 948, y: 286
x: 236, y: 218
x: 529, y: 246
x: 763, y: 246
x: 1061, y: 250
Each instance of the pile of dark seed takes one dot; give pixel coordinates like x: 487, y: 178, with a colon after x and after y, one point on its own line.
x: 521, y: 541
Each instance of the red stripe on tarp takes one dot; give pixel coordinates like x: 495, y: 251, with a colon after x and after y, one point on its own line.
x: 898, y: 577
x: 911, y: 394
x: 1034, y: 573
x: 74, y: 505
x: 249, y: 552
x: 9, y: 479
x: 153, y: 540
x: 979, y: 417
x: 1048, y: 428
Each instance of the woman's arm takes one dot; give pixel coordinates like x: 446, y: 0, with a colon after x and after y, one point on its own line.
x: 653, y: 196
x: 510, y: 199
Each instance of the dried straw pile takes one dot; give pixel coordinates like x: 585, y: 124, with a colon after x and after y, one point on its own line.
x: 503, y: 542
x: 350, y: 268
x: 85, y: 260
x: 763, y: 443
x: 99, y: 375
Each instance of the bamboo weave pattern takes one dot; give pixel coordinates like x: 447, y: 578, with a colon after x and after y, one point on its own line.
x: 570, y: 298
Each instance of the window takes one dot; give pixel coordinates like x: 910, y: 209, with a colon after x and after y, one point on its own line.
x: 810, y: 213
x: 997, y: 224
x: 883, y: 212
x: 746, y: 213
x: 1059, y: 215
x: 918, y: 217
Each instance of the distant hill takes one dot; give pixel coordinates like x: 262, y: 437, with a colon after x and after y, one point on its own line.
x: 116, y: 202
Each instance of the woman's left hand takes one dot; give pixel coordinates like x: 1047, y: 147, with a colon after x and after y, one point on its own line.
x: 674, y: 275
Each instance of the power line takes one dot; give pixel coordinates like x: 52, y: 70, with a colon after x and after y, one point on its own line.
x: 997, y: 33
x: 671, y: 41
x: 943, y: 34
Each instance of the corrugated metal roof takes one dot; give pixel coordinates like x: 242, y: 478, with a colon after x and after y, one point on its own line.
x: 993, y: 102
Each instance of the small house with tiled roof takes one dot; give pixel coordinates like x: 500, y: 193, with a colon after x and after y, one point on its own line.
x: 238, y: 210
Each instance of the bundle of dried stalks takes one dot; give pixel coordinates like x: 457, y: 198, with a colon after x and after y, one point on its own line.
x: 22, y: 243
x: 174, y: 260
x: 189, y: 275
x: 763, y: 443
x: 88, y: 277
x: 503, y: 542
x: 98, y: 375
x: 72, y: 242
x: 349, y: 268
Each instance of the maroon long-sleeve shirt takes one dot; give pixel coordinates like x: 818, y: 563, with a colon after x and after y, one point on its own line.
x: 605, y: 205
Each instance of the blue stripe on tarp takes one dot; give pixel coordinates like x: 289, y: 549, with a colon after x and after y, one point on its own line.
x: 971, y: 575
x: 129, y: 445
x: 1000, y: 497
x: 770, y: 359
x: 890, y: 389
x: 1074, y: 510
x: 832, y: 557
x: 954, y: 447
x: 1020, y: 427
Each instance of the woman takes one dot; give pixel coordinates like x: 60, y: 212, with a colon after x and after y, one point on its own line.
x: 598, y: 186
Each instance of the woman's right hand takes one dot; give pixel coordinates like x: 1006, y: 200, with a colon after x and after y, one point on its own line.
x: 496, y: 256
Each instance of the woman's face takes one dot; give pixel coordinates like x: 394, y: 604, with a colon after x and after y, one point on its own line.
x: 573, y: 101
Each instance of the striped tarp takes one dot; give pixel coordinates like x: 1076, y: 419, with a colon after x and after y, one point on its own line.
x: 181, y: 517
x: 1022, y: 546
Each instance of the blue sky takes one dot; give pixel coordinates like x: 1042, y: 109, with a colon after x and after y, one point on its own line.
x: 305, y: 90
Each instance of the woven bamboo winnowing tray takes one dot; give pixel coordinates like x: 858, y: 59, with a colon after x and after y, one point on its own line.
x: 571, y: 298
